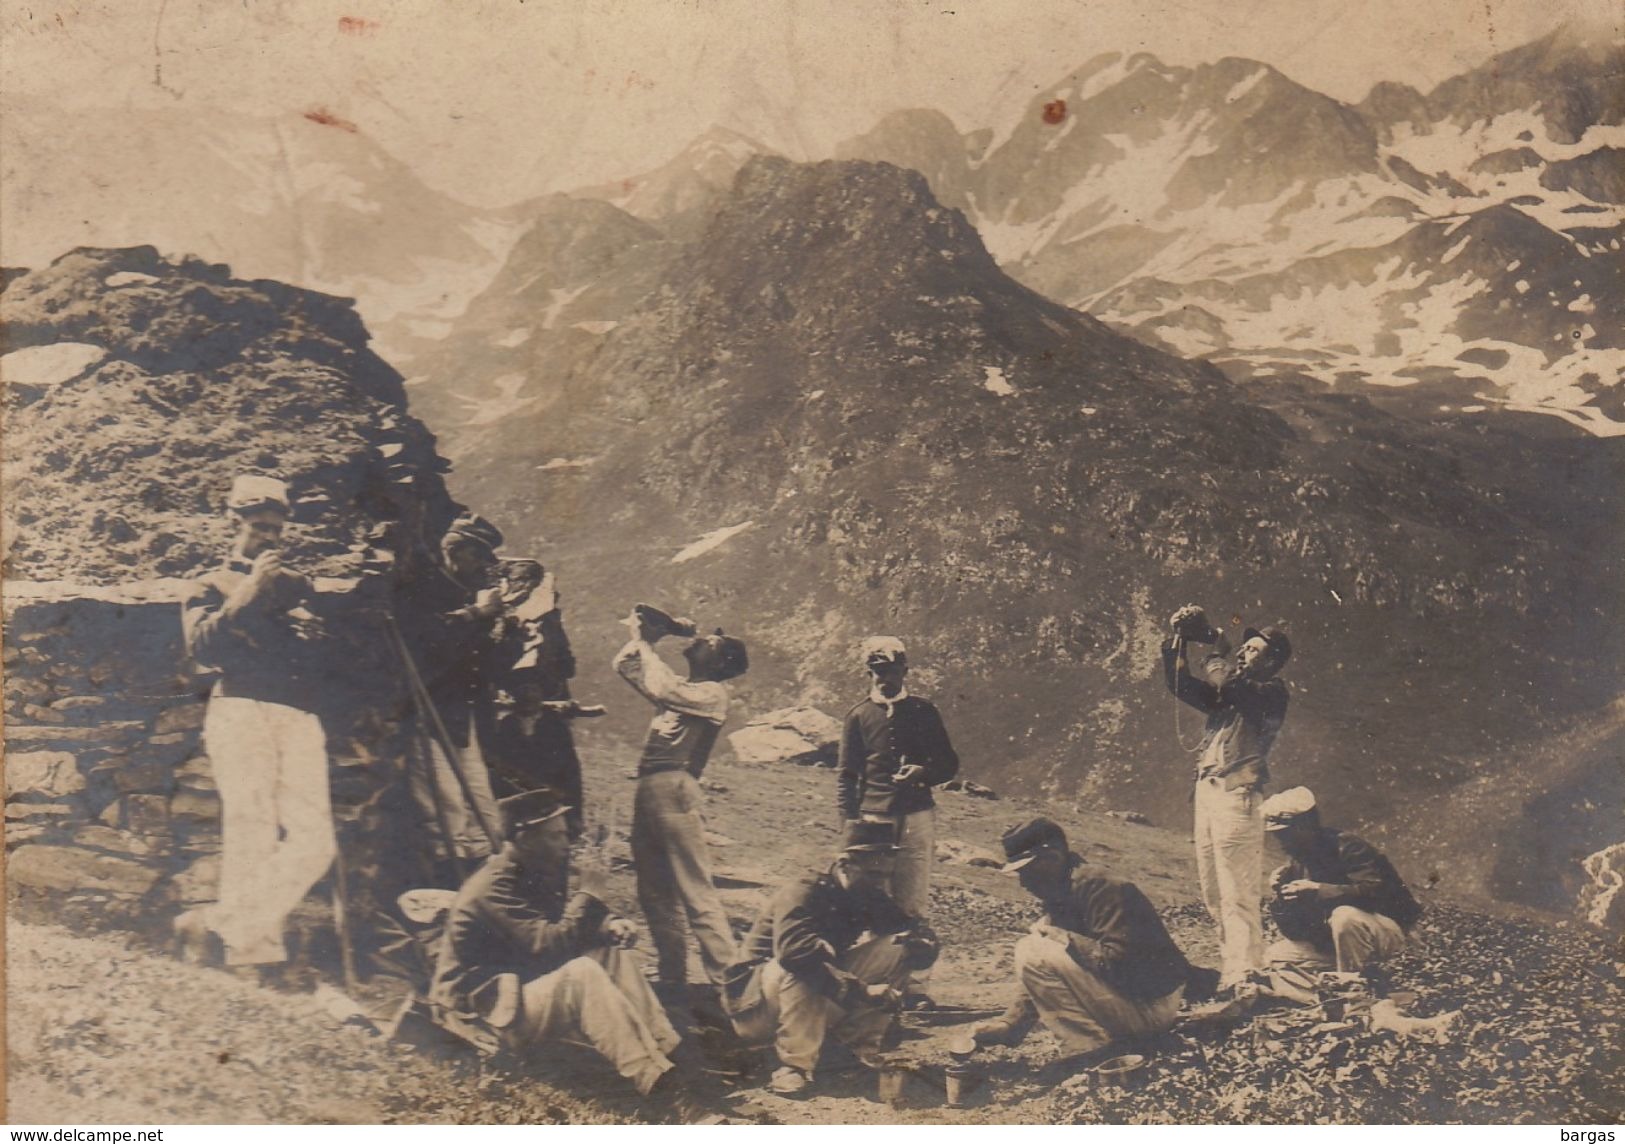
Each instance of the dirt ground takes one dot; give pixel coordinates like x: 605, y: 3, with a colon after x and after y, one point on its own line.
x: 102, y: 1028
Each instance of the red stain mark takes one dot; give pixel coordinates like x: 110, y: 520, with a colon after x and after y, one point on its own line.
x: 357, y: 26
x: 327, y: 119
x: 627, y: 185
x: 1054, y: 111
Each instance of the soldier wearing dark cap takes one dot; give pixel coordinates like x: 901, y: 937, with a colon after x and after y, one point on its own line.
x: 534, y: 964
x: 828, y: 956
x: 1245, y: 702
x: 446, y: 612
x: 1099, y: 965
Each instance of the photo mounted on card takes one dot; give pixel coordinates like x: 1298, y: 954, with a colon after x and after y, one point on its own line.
x: 813, y: 563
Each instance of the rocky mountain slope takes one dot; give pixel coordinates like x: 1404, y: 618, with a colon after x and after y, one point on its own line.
x: 1452, y: 247
x: 137, y: 387
x: 580, y: 268
x: 307, y: 199
x: 832, y: 413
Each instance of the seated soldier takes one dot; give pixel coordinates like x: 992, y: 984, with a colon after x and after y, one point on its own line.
x: 829, y: 956
x: 1338, y: 902
x: 1099, y: 965
x: 521, y: 957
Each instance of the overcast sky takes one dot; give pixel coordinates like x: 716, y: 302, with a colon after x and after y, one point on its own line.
x: 495, y: 100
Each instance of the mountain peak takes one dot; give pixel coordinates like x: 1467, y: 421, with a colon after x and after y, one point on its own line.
x: 1597, y: 39
x: 923, y: 140
x: 841, y: 220
x: 1573, y: 78
x: 734, y: 143
x: 687, y: 185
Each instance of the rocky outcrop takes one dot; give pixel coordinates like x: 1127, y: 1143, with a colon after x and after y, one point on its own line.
x: 804, y: 736
x: 1602, y: 900
x: 118, y: 473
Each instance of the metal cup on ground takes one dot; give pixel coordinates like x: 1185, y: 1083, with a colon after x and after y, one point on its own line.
x: 1126, y: 1071
x: 893, y: 1072
x: 961, y: 1075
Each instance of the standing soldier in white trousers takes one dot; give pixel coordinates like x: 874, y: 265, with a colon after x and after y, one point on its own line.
x: 269, y: 753
x: 1245, y: 704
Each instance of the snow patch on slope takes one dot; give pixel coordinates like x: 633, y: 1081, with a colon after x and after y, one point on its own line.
x: 710, y: 540
x: 45, y: 366
x: 996, y: 383
x: 487, y: 410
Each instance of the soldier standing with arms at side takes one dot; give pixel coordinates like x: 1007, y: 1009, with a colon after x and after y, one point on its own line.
x: 893, y: 750
x: 534, y: 747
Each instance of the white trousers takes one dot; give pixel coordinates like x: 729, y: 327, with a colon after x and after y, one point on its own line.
x: 276, y: 821
x: 602, y: 1001
x: 1229, y: 866
x: 1359, y: 937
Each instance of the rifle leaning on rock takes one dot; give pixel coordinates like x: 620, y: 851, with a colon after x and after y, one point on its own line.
x: 429, y: 716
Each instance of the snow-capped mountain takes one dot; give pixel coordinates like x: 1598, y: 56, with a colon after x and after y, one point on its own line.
x: 1459, y: 244
x: 306, y: 199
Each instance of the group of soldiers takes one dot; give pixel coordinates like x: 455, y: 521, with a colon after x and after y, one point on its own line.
x: 525, y: 960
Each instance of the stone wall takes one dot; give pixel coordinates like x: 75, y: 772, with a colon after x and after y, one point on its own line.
x: 110, y: 802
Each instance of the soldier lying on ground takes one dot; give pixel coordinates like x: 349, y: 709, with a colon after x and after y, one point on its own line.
x: 1338, y: 902
x: 807, y: 974
x: 524, y: 959
x: 1099, y: 965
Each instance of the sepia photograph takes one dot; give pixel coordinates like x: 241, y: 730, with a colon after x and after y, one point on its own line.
x: 796, y: 562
